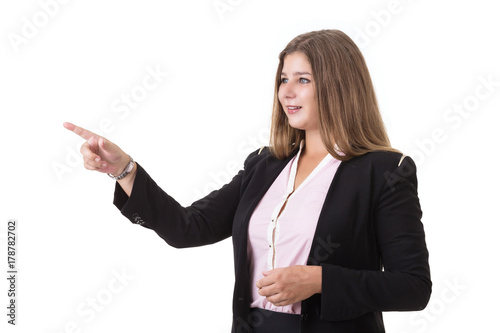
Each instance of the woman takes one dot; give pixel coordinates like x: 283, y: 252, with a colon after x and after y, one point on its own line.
x: 325, y: 221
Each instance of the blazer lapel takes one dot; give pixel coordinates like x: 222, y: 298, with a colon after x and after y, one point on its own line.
x: 324, y: 242
x: 263, y: 177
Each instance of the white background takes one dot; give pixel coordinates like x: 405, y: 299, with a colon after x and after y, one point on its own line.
x: 211, y: 110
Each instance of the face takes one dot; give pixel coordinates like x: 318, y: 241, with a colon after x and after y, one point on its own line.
x: 296, y: 92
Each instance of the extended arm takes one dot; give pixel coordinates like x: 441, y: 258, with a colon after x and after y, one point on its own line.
x: 143, y: 202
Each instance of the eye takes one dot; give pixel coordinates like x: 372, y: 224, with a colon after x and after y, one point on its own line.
x: 284, y: 80
x: 303, y: 80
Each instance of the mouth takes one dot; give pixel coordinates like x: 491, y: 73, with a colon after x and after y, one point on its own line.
x: 293, y: 109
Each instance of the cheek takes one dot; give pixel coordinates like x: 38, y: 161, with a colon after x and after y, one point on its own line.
x: 310, y: 97
x: 280, y: 96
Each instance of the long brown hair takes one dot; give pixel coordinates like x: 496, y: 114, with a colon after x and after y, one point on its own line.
x: 348, y: 112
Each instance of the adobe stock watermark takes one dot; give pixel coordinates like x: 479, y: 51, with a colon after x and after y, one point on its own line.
x: 90, y: 308
x: 222, y: 7
x: 381, y: 19
x: 121, y: 108
x: 31, y: 26
x: 253, y: 320
x: 223, y: 177
x: 454, y: 117
x: 438, y: 305
x: 323, y: 249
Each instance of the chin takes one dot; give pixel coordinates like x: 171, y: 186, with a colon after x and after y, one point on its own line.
x: 298, y: 127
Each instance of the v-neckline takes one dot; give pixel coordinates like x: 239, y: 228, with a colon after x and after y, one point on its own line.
x: 293, y: 172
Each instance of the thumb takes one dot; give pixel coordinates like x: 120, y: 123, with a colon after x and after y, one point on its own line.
x: 266, y: 273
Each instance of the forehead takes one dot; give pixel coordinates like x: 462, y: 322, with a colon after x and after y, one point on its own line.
x: 296, y: 62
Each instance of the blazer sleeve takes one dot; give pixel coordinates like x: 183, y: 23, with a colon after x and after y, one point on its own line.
x: 205, y: 221
x: 404, y: 284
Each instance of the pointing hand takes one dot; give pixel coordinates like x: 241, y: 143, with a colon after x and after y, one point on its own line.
x: 99, y: 153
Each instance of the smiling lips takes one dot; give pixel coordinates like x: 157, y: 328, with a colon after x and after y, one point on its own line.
x: 293, y: 109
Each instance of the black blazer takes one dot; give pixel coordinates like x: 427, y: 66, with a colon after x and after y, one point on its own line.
x: 369, y: 238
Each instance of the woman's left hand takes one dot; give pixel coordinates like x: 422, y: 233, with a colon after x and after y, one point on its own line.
x: 288, y: 285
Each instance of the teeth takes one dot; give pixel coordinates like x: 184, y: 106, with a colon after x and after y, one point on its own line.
x: 294, y: 107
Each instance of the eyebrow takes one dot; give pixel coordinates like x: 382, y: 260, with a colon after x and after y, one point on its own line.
x: 297, y: 73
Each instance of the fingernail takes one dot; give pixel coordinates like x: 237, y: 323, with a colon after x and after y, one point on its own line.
x: 96, y: 159
x: 104, y: 165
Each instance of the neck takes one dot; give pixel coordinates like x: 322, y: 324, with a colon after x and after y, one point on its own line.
x: 313, y: 146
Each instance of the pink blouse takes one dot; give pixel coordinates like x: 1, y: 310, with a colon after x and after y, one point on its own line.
x: 293, y: 229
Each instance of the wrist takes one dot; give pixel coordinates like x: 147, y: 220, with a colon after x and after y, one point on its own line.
x: 126, y: 170
x: 127, y: 183
x: 123, y: 166
x: 130, y: 176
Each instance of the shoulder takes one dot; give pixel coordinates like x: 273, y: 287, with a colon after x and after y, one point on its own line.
x: 255, y: 155
x: 383, y: 160
x: 263, y: 162
x: 260, y: 154
x: 382, y: 167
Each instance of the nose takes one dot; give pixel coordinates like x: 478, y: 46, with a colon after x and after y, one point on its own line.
x: 288, y: 90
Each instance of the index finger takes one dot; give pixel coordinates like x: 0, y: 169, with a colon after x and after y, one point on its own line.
x: 79, y: 131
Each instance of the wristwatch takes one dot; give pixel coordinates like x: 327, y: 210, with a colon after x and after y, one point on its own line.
x: 125, y: 172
